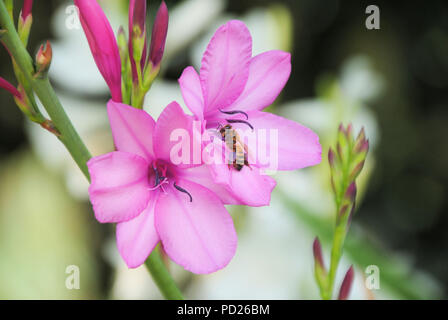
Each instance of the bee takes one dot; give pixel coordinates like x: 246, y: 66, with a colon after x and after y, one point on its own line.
x: 237, y: 147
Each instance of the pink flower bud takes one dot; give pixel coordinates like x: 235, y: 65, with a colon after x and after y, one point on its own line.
x: 159, y: 32
x: 103, y: 44
x: 26, y: 9
x: 4, y: 84
x: 346, y: 284
x: 331, y: 158
x: 317, y: 252
x: 44, y: 57
x: 350, y: 194
x: 137, y: 34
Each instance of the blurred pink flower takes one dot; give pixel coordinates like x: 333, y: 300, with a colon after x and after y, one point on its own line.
x: 103, y: 44
x: 233, y: 88
x: 154, y: 200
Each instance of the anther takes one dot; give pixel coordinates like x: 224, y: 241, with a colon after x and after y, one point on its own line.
x: 183, y: 190
x: 240, y: 121
x: 235, y: 112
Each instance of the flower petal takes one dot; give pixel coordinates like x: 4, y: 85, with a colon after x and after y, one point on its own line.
x: 296, y: 147
x: 225, y: 65
x: 132, y: 129
x: 173, y: 133
x: 268, y: 74
x: 202, y: 176
x: 197, y: 235
x: 119, y: 188
x: 249, y: 186
x: 136, y: 238
x: 190, y: 85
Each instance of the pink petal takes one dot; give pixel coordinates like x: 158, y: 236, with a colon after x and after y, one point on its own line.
x: 197, y: 235
x: 119, y: 188
x: 202, y: 176
x: 298, y: 146
x: 136, y: 238
x: 248, y: 186
x: 132, y: 129
x: 190, y: 85
x: 268, y: 74
x: 172, y: 121
x: 102, y: 43
x: 225, y: 65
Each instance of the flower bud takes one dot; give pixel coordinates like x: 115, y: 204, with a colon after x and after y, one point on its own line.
x: 320, y: 272
x: 350, y: 194
x: 102, y: 43
x: 356, y: 170
x: 122, y: 47
x: 317, y: 252
x: 43, y: 58
x: 25, y: 21
x: 331, y: 158
x: 346, y: 284
x: 26, y: 9
x: 137, y: 36
x: 4, y: 84
x: 158, y: 37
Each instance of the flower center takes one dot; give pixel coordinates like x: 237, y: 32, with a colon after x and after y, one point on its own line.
x: 159, y: 176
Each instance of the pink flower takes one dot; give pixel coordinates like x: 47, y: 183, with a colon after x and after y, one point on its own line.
x: 232, y: 89
x: 154, y: 200
x: 103, y: 44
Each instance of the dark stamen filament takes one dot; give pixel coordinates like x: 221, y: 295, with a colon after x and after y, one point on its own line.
x: 184, y: 191
x: 235, y: 112
x: 240, y: 121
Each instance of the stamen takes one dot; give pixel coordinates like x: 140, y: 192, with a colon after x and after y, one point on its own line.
x: 183, y: 190
x: 240, y: 121
x: 159, y: 180
x: 235, y: 112
x: 160, y: 185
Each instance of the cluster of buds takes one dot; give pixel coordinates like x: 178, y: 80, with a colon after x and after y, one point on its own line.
x: 128, y: 66
x: 23, y: 94
x: 346, y: 163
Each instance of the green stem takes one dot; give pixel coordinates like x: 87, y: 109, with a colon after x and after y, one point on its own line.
x: 162, y: 277
x: 42, y: 87
x: 340, y: 234
x: 336, y: 253
x: 69, y: 136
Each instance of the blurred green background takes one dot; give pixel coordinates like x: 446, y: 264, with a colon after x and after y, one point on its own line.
x: 392, y: 81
